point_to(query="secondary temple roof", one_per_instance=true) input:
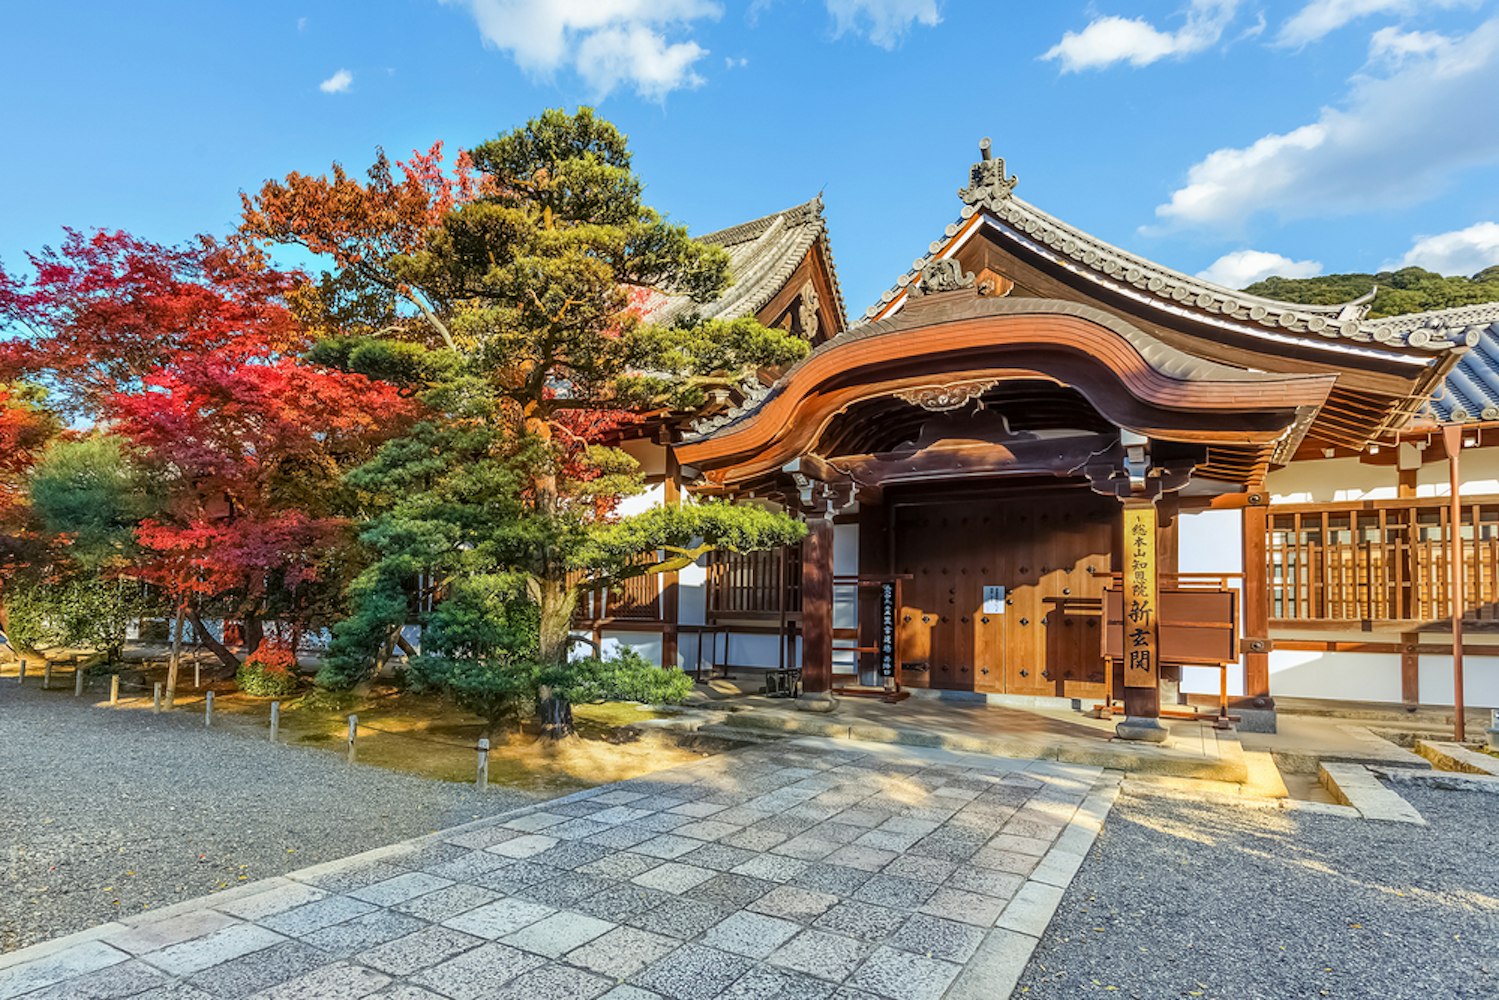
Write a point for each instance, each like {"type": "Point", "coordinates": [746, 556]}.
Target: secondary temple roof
{"type": "Point", "coordinates": [763, 255]}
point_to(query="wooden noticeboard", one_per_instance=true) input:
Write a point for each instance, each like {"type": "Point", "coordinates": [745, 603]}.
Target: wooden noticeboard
{"type": "Point", "coordinates": [1194, 626]}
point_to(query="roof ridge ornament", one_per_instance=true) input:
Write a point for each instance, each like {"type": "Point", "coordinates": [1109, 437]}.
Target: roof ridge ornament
{"type": "Point", "coordinates": [987, 178]}
{"type": "Point", "coordinates": [944, 274]}
{"type": "Point", "coordinates": [1358, 309]}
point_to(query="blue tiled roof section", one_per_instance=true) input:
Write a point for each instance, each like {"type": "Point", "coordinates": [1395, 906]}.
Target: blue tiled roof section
{"type": "Point", "coordinates": [1471, 390]}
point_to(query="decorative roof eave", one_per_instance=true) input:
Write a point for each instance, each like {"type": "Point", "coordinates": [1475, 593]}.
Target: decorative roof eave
{"type": "Point", "coordinates": [1163, 362]}
{"type": "Point", "coordinates": [989, 199]}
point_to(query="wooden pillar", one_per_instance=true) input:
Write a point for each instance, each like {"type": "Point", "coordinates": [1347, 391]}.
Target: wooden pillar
{"type": "Point", "coordinates": [1257, 605]}
{"type": "Point", "coordinates": [1141, 666]}
{"type": "Point", "coordinates": [1452, 438]}
{"type": "Point", "coordinates": [817, 606]}
{"type": "Point", "coordinates": [670, 595]}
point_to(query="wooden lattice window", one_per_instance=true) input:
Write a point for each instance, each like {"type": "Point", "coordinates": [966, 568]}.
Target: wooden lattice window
{"type": "Point", "coordinates": [1380, 561]}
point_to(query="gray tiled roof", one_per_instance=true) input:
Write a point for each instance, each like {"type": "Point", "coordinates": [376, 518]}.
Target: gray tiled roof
{"type": "Point", "coordinates": [990, 194]}
{"type": "Point", "coordinates": [763, 254]}
{"type": "Point", "coordinates": [1471, 391]}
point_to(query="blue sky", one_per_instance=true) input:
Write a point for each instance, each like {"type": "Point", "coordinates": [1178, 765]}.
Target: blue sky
{"type": "Point", "coordinates": [1336, 134]}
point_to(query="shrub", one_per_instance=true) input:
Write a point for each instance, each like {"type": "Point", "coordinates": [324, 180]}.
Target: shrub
{"type": "Point", "coordinates": [269, 672]}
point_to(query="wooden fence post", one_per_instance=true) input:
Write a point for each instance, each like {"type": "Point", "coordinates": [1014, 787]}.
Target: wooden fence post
{"type": "Point", "coordinates": [47, 674]}
{"type": "Point", "coordinates": [156, 697]}
{"type": "Point", "coordinates": [21, 678]}
{"type": "Point", "coordinates": [208, 708]}
{"type": "Point", "coordinates": [481, 772]}
{"type": "Point", "coordinates": [353, 731]}
{"type": "Point", "coordinates": [275, 719]}
{"type": "Point", "coordinates": [77, 679]}
{"type": "Point", "coordinates": [197, 674]}
{"type": "Point", "coordinates": [114, 689]}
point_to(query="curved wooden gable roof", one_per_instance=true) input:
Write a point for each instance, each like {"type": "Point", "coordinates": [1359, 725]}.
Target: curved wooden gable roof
{"type": "Point", "coordinates": [1128, 376]}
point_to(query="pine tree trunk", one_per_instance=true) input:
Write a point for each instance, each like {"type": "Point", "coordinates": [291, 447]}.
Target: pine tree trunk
{"type": "Point", "coordinates": [555, 600]}
{"type": "Point", "coordinates": [558, 602]}
{"type": "Point", "coordinates": [556, 715]}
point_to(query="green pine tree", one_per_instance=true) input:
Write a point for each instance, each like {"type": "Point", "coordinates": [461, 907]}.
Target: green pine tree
{"type": "Point", "coordinates": [521, 337]}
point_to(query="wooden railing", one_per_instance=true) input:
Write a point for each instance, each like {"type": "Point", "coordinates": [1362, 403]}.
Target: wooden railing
{"type": "Point", "coordinates": [637, 598]}
{"type": "Point", "coordinates": [746, 586]}
{"type": "Point", "coordinates": [1385, 560]}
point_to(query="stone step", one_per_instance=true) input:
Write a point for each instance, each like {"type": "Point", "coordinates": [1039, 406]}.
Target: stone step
{"type": "Point", "coordinates": [1456, 757]}
{"type": "Point", "coordinates": [1228, 765]}
{"type": "Point", "coordinates": [1355, 785]}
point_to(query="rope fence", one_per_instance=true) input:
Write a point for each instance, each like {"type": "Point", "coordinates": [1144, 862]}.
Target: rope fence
{"type": "Point", "coordinates": [159, 703]}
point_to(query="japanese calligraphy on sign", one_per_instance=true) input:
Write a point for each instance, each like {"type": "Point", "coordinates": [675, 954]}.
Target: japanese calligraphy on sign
{"type": "Point", "coordinates": [1141, 648]}
{"type": "Point", "coordinates": [887, 629]}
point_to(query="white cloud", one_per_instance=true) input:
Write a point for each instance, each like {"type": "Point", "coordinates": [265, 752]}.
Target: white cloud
{"type": "Point", "coordinates": [1320, 18]}
{"type": "Point", "coordinates": [637, 55]}
{"type": "Point", "coordinates": [1462, 251]}
{"type": "Point", "coordinates": [338, 83]}
{"type": "Point", "coordinates": [1109, 40]}
{"type": "Point", "coordinates": [735, 62]}
{"type": "Point", "coordinates": [1397, 139]}
{"type": "Point", "coordinates": [1392, 46]}
{"type": "Point", "coordinates": [607, 42]}
{"type": "Point", "coordinates": [301, 24]}
{"type": "Point", "coordinates": [883, 22]}
{"type": "Point", "coordinates": [1244, 267]}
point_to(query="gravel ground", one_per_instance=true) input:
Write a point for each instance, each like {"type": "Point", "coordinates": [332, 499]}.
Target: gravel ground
{"type": "Point", "coordinates": [1189, 899]}
{"type": "Point", "coordinates": [104, 813]}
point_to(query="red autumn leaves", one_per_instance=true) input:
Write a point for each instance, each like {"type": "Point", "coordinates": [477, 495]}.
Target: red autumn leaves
{"type": "Point", "coordinates": [191, 356]}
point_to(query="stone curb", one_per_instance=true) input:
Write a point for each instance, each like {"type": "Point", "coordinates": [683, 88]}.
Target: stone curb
{"type": "Point", "coordinates": [1230, 766]}
{"type": "Point", "coordinates": [1456, 757]}
{"type": "Point", "coordinates": [995, 969]}
{"type": "Point", "coordinates": [1355, 785]}
{"type": "Point", "coordinates": [1450, 780]}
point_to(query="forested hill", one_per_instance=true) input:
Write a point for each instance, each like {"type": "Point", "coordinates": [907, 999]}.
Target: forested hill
{"type": "Point", "coordinates": [1405, 291]}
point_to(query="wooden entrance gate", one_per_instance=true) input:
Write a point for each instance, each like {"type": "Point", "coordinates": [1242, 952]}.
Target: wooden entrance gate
{"type": "Point", "coordinates": [1004, 593]}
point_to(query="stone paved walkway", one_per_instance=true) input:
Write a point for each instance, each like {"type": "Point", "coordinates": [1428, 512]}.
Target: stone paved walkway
{"type": "Point", "coordinates": [814, 869]}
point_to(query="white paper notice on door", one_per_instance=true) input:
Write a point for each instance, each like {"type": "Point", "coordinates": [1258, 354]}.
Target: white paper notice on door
{"type": "Point", "coordinates": [994, 600]}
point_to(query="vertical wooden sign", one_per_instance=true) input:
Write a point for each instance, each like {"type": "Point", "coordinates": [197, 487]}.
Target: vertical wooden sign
{"type": "Point", "coordinates": [887, 628]}
{"type": "Point", "coordinates": [1141, 645]}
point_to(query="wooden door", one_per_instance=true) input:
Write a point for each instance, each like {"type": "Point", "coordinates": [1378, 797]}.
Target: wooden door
{"type": "Point", "coordinates": [1042, 548]}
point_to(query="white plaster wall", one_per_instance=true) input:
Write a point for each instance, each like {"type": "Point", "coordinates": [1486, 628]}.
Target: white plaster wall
{"type": "Point", "coordinates": [692, 593]}
{"type": "Point", "coordinates": [652, 496]}
{"type": "Point", "coordinates": [1211, 541]}
{"type": "Point", "coordinates": [1344, 676]}
{"type": "Point", "coordinates": [647, 644]}
{"type": "Point", "coordinates": [1480, 681]}
{"type": "Point", "coordinates": [1347, 480]}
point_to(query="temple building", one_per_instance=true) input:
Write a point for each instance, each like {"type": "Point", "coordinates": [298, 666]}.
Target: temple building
{"type": "Point", "coordinates": [1041, 467]}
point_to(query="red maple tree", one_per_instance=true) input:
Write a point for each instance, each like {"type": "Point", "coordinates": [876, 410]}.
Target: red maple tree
{"type": "Point", "coordinates": [192, 356]}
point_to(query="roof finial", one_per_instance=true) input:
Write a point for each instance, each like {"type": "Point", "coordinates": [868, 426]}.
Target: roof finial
{"type": "Point", "coordinates": [987, 179]}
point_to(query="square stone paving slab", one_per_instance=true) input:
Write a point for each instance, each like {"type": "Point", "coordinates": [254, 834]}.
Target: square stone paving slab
{"type": "Point", "coordinates": [808, 871]}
